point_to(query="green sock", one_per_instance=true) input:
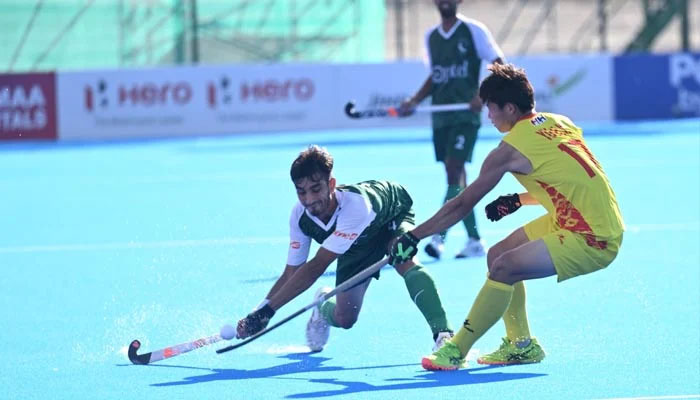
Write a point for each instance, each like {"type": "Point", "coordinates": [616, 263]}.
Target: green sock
{"type": "Point", "coordinates": [424, 294]}
{"type": "Point", "coordinates": [452, 192]}
{"type": "Point", "coordinates": [327, 309]}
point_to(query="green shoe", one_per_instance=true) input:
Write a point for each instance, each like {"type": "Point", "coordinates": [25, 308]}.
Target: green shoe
{"type": "Point", "coordinates": [447, 358]}
{"type": "Point", "coordinates": [509, 354]}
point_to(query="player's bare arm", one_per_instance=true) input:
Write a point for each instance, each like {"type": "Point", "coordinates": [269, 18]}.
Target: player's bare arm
{"type": "Point", "coordinates": [303, 278]}
{"type": "Point", "coordinates": [288, 272]}
{"type": "Point", "coordinates": [502, 159]}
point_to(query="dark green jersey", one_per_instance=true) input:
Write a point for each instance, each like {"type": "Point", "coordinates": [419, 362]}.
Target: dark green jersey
{"type": "Point", "coordinates": [363, 212]}
{"type": "Point", "coordinates": [455, 63]}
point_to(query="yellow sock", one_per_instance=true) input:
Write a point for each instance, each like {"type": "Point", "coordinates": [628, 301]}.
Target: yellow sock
{"type": "Point", "coordinates": [515, 317]}
{"type": "Point", "coordinates": [488, 308]}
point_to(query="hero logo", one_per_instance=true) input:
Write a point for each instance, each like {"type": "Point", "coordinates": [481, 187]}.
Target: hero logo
{"type": "Point", "coordinates": [684, 75]}
{"type": "Point", "coordinates": [270, 90]}
{"type": "Point", "coordinates": [22, 109]}
{"type": "Point", "coordinates": [146, 94]}
{"type": "Point", "coordinates": [348, 236]}
{"type": "Point", "coordinates": [294, 244]}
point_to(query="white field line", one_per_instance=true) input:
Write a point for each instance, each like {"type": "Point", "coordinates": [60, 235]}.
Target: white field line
{"type": "Point", "coordinates": [690, 226]}
{"type": "Point", "coordinates": [681, 396]}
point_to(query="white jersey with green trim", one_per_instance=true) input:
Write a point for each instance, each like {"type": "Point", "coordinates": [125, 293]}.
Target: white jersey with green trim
{"type": "Point", "coordinates": [353, 215]}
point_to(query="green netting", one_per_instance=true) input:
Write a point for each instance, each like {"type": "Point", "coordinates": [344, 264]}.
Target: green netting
{"type": "Point", "coordinates": [78, 34]}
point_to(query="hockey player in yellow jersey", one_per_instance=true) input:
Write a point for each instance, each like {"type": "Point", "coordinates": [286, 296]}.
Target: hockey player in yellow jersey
{"type": "Point", "coordinates": [580, 233]}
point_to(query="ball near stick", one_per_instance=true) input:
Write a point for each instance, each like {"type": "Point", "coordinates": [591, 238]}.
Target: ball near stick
{"type": "Point", "coordinates": [227, 332]}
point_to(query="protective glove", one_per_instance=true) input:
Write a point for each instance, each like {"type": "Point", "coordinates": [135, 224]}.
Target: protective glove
{"type": "Point", "coordinates": [503, 206]}
{"type": "Point", "coordinates": [254, 322]}
{"type": "Point", "coordinates": [407, 108]}
{"type": "Point", "coordinates": [403, 249]}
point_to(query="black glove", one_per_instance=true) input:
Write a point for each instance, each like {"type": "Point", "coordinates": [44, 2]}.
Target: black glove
{"type": "Point", "coordinates": [503, 206]}
{"type": "Point", "coordinates": [255, 322]}
{"type": "Point", "coordinates": [405, 247]}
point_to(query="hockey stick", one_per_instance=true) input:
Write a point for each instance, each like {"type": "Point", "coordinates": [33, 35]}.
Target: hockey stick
{"type": "Point", "coordinates": [351, 112]}
{"type": "Point", "coordinates": [364, 274]}
{"type": "Point", "coordinates": [168, 352]}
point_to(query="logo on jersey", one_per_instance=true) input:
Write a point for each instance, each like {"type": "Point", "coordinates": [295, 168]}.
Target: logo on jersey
{"type": "Point", "coordinates": [444, 74]}
{"type": "Point", "coordinates": [294, 244]}
{"type": "Point", "coordinates": [461, 47]}
{"type": "Point", "coordinates": [538, 120]}
{"type": "Point", "coordinates": [348, 236]}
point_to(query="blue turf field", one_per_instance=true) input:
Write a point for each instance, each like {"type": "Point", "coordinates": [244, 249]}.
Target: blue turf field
{"type": "Point", "coordinates": [164, 241]}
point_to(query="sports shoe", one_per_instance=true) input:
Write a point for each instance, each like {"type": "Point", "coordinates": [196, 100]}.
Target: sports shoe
{"type": "Point", "coordinates": [435, 247]}
{"type": "Point", "coordinates": [441, 338]}
{"type": "Point", "coordinates": [447, 358]}
{"type": "Point", "coordinates": [509, 354]}
{"type": "Point", "coordinates": [473, 248]}
{"type": "Point", "coordinates": [317, 329]}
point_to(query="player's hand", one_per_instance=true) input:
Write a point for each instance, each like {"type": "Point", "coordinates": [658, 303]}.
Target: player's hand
{"type": "Point", "coordinates": [503, 206]}
{"type": "Point", "coordinates": [254, 322]}
{"type": "Point", "coordinates": [404, 248]}
{"type": "Point", "coordinates": [476, 104]}
{"type": "Point", "coordinates": [407, 107]}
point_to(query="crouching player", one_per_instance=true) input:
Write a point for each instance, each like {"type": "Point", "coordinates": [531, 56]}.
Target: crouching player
{"type": "Point", "coordinates": [355, 225]}
{"type": "Point", "coordinates": [581, 232]}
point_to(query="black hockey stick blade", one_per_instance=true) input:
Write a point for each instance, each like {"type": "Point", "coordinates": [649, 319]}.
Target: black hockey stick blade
{"type": "Point", "coordinates": [350, 110]}
{"type": "Point", "coordinates": [137, 359]}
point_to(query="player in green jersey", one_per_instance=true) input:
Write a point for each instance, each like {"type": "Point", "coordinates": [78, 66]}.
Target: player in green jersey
{"type": "Point", "coordinates": [354, 225]}
{"type": "Point", "coordinates": [455, 47]}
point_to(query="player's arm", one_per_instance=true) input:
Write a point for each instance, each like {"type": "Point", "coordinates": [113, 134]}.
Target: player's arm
{"type": "Point", "coordinates": [303, 277]}
{"type": "Point", "coordinates": [527, 199]}
{"type": "Point", "coordinates": [502, 159]}
{"type": "Point", "coordinates": [407, 106]}
{"type": "Point", "coordinates": [293, 282]}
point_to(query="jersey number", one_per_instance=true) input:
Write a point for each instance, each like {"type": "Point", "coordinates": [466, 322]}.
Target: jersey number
{"type": "Point", "coordinates": [460, 143]}
{"type": "Point", "coordinates": [584, 163]}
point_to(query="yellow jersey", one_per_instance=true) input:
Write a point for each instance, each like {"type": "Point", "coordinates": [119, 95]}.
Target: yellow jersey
{"type": "Point", "coordinates": [566, 177]}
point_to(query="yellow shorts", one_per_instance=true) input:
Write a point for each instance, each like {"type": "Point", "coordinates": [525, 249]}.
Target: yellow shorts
{"type": "Point", "coordinates": [573, 253]}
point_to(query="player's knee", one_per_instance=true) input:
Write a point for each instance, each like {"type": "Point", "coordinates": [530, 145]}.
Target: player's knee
{"type": "Point", "coordinates": [493, 253]}
{"type": "Point", "coordinates": [500, 269]}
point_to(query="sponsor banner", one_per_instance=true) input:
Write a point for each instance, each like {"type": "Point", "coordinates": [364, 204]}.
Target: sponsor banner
{"type": "Point", "coordinates": [578, 86]}
{"type": "Point", "coordinates": [373, 86]}
{"type": "Point", "coordinates": [657, 86]}
{"type": "Point", "coordinates": [193, 101]}
{"type": "Point", "coordinates": [27, 106]}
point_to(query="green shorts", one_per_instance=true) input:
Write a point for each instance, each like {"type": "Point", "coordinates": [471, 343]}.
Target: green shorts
{"type": "Point", "coordinates": [573, 254]}
{"type": "Point", "coordinates": [455, 142]}
{"type": "Point", "coordinates": [364, 254]}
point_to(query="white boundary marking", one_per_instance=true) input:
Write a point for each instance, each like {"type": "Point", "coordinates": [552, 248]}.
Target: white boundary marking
{"type": "Point", "coordinates": [681, 396]}
{"type": "Point", "coordinates": [689, 226]}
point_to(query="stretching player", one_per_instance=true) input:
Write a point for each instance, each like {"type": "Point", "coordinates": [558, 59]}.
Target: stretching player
{"type": "Point", "coordinates": [581, 232]}
{"type": "Point", "coordinates": [456, 48]}
{"type": "Point", "coordinates": [355, 225]}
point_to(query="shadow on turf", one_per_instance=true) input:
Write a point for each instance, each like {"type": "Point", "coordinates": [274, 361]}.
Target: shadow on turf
{"type": "Point", "coordinates": [308, 362]}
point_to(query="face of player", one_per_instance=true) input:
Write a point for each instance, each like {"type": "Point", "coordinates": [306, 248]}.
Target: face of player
{"type": "Point", "coordinates": [447, 8]}
{"type": "Point", "coordinates": [502, 118]}
{"type": "Point", "coordinates": [317, 195]}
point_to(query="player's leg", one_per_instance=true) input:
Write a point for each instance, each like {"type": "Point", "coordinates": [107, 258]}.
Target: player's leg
{"type": "Point", "coordinates": [515, 317]}
{"type": "Point", "coordinates": [528, 261]}
{"type": "Point", "coordinates": [440, 139]}
{"type": "Point", "coordinates": [340, 312]}
{"type": "Point", "coordinates": [420, 284]}
{"type": "Point", "coordinates": [460, 148]}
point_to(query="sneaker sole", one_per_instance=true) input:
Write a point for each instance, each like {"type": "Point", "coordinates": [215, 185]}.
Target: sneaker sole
{"type": "Point", "coordinates": [427, 364]}
{"type": "Point", "coordinates": [484, 362]}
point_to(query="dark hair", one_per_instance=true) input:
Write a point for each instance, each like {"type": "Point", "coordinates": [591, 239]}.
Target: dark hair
{"type": "Point", "coordinates": [507, 84]}
{"type": "Point", "coordinates": [312, 162]}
